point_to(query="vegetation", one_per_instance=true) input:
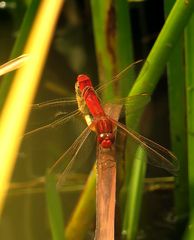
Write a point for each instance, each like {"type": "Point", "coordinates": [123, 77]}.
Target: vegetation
{"type": "Point", "coordinates": [100, 38]}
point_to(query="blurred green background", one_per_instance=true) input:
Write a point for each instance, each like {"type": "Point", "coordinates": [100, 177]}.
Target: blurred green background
{"type": "Point", "coordinates": [72, 52]}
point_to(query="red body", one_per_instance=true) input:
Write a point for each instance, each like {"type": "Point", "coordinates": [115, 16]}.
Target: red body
{"type": "Point", "coordinates": [103, 125]}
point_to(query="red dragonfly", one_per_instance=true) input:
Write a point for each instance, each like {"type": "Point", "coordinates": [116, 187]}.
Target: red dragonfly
{"type": "Point", "coordinates": [104, 126]}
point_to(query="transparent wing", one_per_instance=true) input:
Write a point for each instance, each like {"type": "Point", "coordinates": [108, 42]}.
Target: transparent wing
{"type": "Point", "coordinates": [120, 75]}
{"type": "Point", "coordinates": [65, 162]}
{"type": "Point", "coordinates": [73, 101]}
{"type": "Point", "coordinates": [159, 156]}
{"type": "Point", "coordinates": [13, 64]}
{"type": "Point", "coordinates": [56, 123]}
{"type": "Point", "coordinates": [139, 101]}
{"type": "Point", "coordinates": [133, 103]}
{"type": "Point", "coordinates": [56, 112]}
{"type": "Point", "coordinates": [54, 103]}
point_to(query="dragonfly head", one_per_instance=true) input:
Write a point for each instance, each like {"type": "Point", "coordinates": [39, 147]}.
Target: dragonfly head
{"type": "Point", "coordinates": [83, 81]}
{"type": "Point", "coordinates": [106, 139]}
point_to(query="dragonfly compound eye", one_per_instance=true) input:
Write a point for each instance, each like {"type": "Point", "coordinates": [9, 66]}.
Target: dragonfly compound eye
{"type": "Point", "coordinates": [106, 139]}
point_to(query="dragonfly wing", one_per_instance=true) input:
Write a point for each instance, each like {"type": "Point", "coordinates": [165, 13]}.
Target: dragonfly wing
{"type": "Point", "coordinates": [62, 110]}
{"type": "Point", "coordinates": [65, 162]}
{"type": "Point", "coordinates": [133, 103]}
{"type": "Point", "coordinates": [159, 156]}
{"type": "Point", "coordinates": [130, 105]}
{"type": "Point", "coordinates": [120, 75]}
{"type": "Point", "coordinates": [54, 103]}
{"type": "Point", "coordinates": [56, 123]}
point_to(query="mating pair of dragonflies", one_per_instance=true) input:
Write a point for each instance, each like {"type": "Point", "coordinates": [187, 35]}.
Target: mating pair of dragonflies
{"type": "Point", "coordinates": [92, 111]}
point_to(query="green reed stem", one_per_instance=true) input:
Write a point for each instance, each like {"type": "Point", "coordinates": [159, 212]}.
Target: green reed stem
{"type": "Point", "coordinates": [54, 209]}
{"type": "Point", "coordinates": [113, 42]}
{"type": "Point", "coordinates": [178, 129]}
{"type": "Point", "coordinates": [158, 57]}
{"type": "Point", "coordinates": [189, 39]}
{"type": "Point", "coordinates": [161, 51]}
{"type": "Point", "coordinates": [134, 196]}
